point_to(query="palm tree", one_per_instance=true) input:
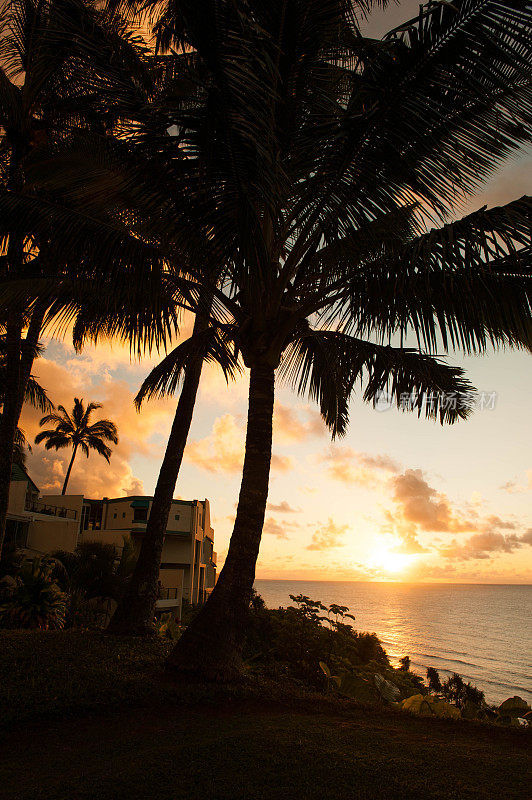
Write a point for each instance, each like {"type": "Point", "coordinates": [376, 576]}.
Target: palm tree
{"type": "Point", "coordinates": [35, 395]}
{"type": "Point", "coordinates": [134, 614]}
{"type": "Point", "coordinates": [50, 96]}
{"type": "Point", "coordinates": [329, 156]}
{"type": "Point", "coordinates": [75, 431]}
{"type": "Point", "coordinates": [312, 157]}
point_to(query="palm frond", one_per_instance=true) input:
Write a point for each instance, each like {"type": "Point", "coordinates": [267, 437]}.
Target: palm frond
{"type": "Point", "coordinates": [36, 395]}
{"type": "Point", "coordinates": [468, 284]}
{"type": "Point", "coordinates": [327, 366]}
{"type": "Point", "coordinates": [53, 440]}
{"type": "Point", "coordinates": [210, 345]}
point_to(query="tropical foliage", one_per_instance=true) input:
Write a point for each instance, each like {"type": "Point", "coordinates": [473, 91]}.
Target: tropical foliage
{"type": "Point", "coordinates": [292, 642]}
{"type": "Point", "coordinates": [63, 589]}
{"type": "Point", "coordinates": [292, 183]}
{"type": "Point", "coordinates": [95, 569]}
{"type": "Point", "coordinates": [326, 155]}
{"type": "Point", "coordinates": [36, 600]}
{"type": "Point", "coordinates": [50, 240]}
{"type": "Point", "coordinates": [74, 430]}
{"type": "Point", "coordinates": [34, 395]}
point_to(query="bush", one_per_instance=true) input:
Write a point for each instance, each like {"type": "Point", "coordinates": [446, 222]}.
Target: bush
{"type": "Point", "coordinates": [294, 640]}
{"type": "Point", "coordinates": [36, 600]}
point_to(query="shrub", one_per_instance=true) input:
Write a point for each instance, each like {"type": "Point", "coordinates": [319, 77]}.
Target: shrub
{"type": "Point", "coordinates": [36, 601]}
{"type": "Point", "coordinates": [91, 570]}
{"type": "Point", "coordinates": [292, 641]}
{"type": "Point", "coordinates": [433, 680]}
{"type": "Point", "coordinates": [456, 691]}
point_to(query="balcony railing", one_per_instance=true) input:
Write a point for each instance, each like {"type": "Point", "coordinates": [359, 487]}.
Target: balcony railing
{"type": "Point", "coordinates": [52, 511]}
{"type": "Point", "coordinates": [169, 594]}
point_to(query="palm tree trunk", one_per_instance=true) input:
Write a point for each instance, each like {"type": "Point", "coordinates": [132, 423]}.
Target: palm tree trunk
{"type": "Point", "coordinates": [69, 470]}
{"type": "Point", "coordinates": [10, 415]}
{"type": "Point", "coordinates": [210, 648]}
{"type": "Point", "coordinates": [27, 351]}
{"type": "Point", "coordinates": [20, 352]}
{"type": "Point", "coordinates": [134, 613]}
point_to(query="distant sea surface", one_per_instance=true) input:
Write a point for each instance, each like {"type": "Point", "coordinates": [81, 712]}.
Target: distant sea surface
{"type": "Point", "coordinates": [482, 632]}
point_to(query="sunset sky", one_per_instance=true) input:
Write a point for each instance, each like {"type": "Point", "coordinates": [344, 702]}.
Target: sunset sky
{"type": "Point", "coordinates": [397, 499]}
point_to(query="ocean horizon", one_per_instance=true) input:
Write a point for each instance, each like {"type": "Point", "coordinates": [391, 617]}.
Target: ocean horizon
{"type": "Point", "coordinates": [481, 631]}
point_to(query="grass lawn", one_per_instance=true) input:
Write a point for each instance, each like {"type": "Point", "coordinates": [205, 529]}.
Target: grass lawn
{"type": "Point", "coordinates": [130, 733]}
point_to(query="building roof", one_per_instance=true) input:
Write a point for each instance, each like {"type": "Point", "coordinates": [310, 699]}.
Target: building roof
{"type": "Point", "coordinates": [18, 473]}
{"type": "Point", "coordinates": [144, 498]}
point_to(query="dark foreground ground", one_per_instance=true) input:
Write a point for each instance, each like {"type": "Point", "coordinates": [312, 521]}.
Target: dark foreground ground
{"type": "Point", "coordinates": [118, 742]}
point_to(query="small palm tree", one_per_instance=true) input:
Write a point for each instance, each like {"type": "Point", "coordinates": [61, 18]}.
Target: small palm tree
{"type": "Point", "coordinates": [74, 431]}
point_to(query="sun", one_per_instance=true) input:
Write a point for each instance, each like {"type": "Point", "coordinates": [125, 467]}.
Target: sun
{"type": "Point", "coordinates": [391, 561]}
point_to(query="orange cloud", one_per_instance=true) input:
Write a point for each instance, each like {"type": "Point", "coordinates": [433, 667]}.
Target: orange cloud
{"type": "Point", "coordinates": [482, 545]}
{"type": "Point", "coordinates": [289, 428]}
{"type": "Point", "coordinates": [282, 463]}
{"type": "Point", "coordinates": [420, 508]}
{"type": "Point", "coordinates": [420, 504]}
{"type": "Point", "coordinates": [108, 355]}
{"type": "Point", "coordinates": [271, 526]}
{"type": "Point", "coordinates": [223, 449]}
{"type": "Point", "coordinates": [348, 466]}
{"type": "Point", "coordinates": [283, 507]}
{"type": "Point", "coordinates": [94, 476]}
{"type": "Point", "coordinates": [328, 536]}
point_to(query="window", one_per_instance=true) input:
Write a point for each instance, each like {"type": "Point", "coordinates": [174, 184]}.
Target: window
{"type": "Point", "coordinates": [140, 515]}
{"type": "Point", "coordinates": [176, 516]}
{"type": "Point", "coordinates": [123, 514]}
{"type": "Point", "coordinates": [114, 515]}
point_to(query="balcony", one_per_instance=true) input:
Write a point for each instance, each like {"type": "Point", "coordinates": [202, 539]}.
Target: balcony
{"type": "Point", "coordinates": [169, 594]}
{"type": "Point", "coordinates": [170, 598]}
{"type": "Point", "coordinates": [37, 507]}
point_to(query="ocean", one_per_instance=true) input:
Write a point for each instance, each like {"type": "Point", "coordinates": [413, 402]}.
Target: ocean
{"type": "Point", "coordinates": [482, 632]}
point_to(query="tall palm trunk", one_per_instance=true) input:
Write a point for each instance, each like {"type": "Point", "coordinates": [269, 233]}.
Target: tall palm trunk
{"type": "Point", "coordinates": [12, 390]}
{"type": "Point", "coordinates": [19, 361]}
{"type": "Point", "coordinates": [69, 470]}
{"type": "Point", "coordinates": [210, 648]}
{"type": "Point", "coordinates": [10, 415]}
{"type": "Point", "coordinates": [135, 612]}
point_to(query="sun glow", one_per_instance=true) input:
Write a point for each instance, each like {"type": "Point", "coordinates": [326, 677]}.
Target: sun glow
{"type": "Point", "coordinates": [389, 560]}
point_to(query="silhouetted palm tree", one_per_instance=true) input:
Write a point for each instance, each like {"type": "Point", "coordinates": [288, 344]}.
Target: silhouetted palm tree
{"type": "Point", "coordinates": [50, 96]}
{"type": "Point", "coordinates": [35, 395]}
{"type": "Point", "coordinates": [328, 155]}
{"type": "Point", "coordinates": [76, 431]}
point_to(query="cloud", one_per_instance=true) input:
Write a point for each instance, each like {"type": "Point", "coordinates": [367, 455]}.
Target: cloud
{"type": "Point", "coordinates": [213, 387]}
{"type": "Point", "coordinates": [99, 361]}
{"type": "Point", "coordinates": [135, 488]}
{"type": "Point", "coordinates": [513, 487]}
{"type": "Point", "coordinates": [482, 545]}
{"type": "Point", "coordinates": [271, 526]}
{"type": "Point", "coordinates": [420, 504]}
{"type": "Point", "coordinates": [282, 463]}
{"type": "Point", "coordinates": [348, 466]}
{"type": "Point", "coordinates": [222, 451]}
{"type": "Point", "coordinates": [410, 545]}
{"type": "Point", "coordinates": [419, 508]}
{"type": "Point", "coordinates": [289, 428]}
{"type": "Point", "coordinates": [328, 536]}
{"type": "Point", "coordinates": [282, 507]}
{"type": "Point", "coordinates": [93, 477]}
